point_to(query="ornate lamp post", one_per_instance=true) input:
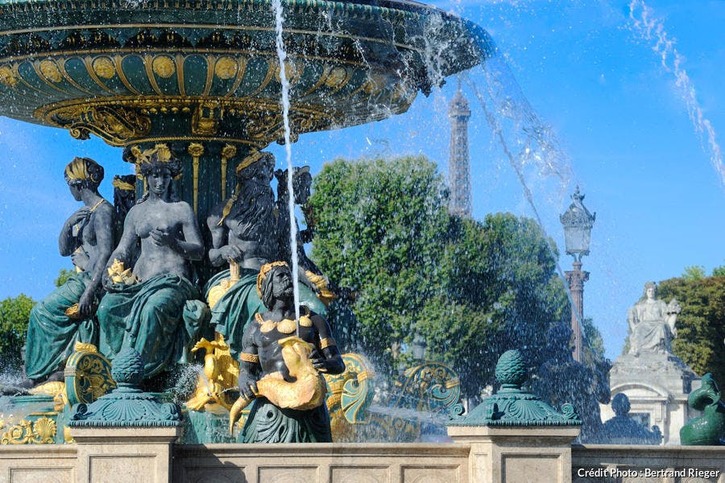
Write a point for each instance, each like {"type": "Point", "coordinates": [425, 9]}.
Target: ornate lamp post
{"type": "Point", "coordinates": [578, 223]}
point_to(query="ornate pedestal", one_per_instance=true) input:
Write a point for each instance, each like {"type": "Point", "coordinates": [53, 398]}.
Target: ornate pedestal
{"type": "Point", "coordinates": [514, 435]}
{"type": "Point", "coordinates": [657, 385]}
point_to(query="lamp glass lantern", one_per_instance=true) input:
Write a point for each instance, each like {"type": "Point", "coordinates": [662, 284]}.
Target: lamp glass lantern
{"type": "Point", "coordinates": [578, 223]}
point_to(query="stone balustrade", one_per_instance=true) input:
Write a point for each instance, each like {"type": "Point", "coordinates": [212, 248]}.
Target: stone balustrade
{"type": "Point", "coordinates": [339, 463]}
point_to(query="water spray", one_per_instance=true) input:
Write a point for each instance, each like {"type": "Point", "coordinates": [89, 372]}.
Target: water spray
{"type": "Point", "coordinates": [282, 56]}
{"type": "Point", "coordinates": [535, 131]}
{"type": "Point", "coordinates": [651, 28]}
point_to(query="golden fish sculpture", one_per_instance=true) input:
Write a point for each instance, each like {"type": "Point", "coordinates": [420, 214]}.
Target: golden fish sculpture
{"type": "Point", "coordinates": [306, 392]}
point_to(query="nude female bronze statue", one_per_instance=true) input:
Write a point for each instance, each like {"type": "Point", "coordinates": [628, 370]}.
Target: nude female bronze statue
{"type": "Point", "coordinates": [155, 309]}
{"type": "Point", "coordinates": [67, 315]}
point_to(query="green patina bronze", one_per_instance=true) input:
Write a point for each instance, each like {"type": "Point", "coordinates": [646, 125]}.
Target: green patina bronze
{"type": "Point", "coordinates": [202, 79]}
{"type": "Point", "coordinates": [514, 406]}
{"type": "Point", "coordinates": [127, 405]}
{"type": "Point", "coordinates": [202, 75]}
{"type": "Point", "coordinates": [708, 429]}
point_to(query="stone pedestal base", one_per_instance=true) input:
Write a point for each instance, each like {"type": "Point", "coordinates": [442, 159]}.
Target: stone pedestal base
{"type": "Point", "coordinates": [508, 454]}
{"type": "Point", "coordinates": [657, 385]}
{"type": "Point", "coordinates": [132, 455]}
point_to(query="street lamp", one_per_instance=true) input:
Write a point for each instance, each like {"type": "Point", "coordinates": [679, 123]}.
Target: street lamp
{"type": "Point", "coordinates": [418, 348]}
{"type": "Point", "coordinates": [578, 223]}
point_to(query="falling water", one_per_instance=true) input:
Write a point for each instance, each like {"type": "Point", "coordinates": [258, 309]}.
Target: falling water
{"type": "Point", "coordinates": [651, 28]}
{"type": "Point", "coordinates": [537, 144]}
{"type": "Point", "coordinates": [527, 143]}
{"type": "Point", "coordinates": [282, 56]}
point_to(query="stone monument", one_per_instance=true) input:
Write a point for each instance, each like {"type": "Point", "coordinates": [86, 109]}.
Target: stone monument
{"type": "Point", "coordinates": [656, 381]}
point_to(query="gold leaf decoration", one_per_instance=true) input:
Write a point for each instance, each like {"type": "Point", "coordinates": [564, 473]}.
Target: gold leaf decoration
{"type": "Point", "coordinates": [164, 66]}
{"type": "Point", "coordinates": [337, 78]}
{"type": "Point", "coordinates": [226, 68]}
{"type": "Point", "coordinates": [292, 71]}
{"type": "Point", "coordinates": [7, 76]}
{"type": "Point", "coordinates": [104, 68]}
{"type": "Point", "coordinates": [50, 70]}
{"type": "Point", "coordinates": [42, 431]}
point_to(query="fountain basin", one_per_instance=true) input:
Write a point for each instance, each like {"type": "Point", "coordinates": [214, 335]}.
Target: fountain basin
{"type": "Point", "coordinates": [208, 70]}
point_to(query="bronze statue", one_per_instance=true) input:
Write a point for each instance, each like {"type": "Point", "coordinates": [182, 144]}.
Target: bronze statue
{"type": "Point", "coordinates": [281, 365]}
{"type": "Point", "coordinates": [315, 290]}
{"type": "Point", "coordinates": [709, 427]}
{"type": "Point", "coordinates": [153, 308]}
{"type": "Point", "coordinates": [244, 236]}
{"type": "Point", "coordinates": [66, 316]}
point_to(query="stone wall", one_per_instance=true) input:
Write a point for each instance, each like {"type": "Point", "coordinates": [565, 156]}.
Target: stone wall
{"type": "Point", "coordinates": [340, 463]}
{"type": "Point", "coordinates": [35, 463]}
{"type": "Point", "coordinates": [322, 463]}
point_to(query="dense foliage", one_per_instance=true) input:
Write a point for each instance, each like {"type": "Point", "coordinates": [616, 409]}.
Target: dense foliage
{"type": "Point", "coordinates": [701, 324]}
{"type": "Point", "coordinates": [14, 313]}
{"type": "Point", "coordinates": [471, 289]}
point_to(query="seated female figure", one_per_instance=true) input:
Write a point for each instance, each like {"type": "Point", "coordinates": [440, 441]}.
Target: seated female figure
{"type": "Point", "coordinates": [67, 315]}
{"type": "Point", "coordinates": [155, 310]}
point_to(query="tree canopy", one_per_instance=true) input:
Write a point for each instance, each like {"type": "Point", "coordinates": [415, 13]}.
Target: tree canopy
{"type": "Point", "coordinates": [473, 290]}
{"type": "Point", "coordinates": [701, 324]}
{"type": "Point", "coordinates": [14, 314]}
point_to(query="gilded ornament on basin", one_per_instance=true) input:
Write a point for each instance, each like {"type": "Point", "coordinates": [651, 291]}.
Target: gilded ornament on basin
{"type": "Point", "coordinates": [196, 149]}
{"type": "Point", "coordinates": [375, 84]}
{"type": "Point", "coordinates": [50, 70]}
{"type": "Point", "coordinates": [42, 431]}
{"type": "Point", "coordinates": [226, 68]}
{"type": "Point", "coordinates": [104, 68]}
{"type": "Point", "coordinates": [337, 78]}
{"type": "Point", "coordinates": [164, 66]}
{"type": "Point", "coordinates": [8, 77]}
{"type": "Point", "coordinates": [292, 71]}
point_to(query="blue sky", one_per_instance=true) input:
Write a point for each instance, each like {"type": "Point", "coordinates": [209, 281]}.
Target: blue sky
{"type": "Point", "coordinates": [622, 119]}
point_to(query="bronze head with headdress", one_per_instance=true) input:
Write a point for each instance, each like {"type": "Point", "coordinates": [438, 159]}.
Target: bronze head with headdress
{"type": "Point", "coordinates": [84, 173]}
{"type": "Point", "coordinates": [265, 277]}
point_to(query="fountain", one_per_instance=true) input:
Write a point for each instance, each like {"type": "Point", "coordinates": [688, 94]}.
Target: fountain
{"type": "Point", "coordinates": [203, 81]}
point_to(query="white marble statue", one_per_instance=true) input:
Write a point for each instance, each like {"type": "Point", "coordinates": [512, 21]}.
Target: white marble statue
{"type": "Point", "coordinates": [652, 323]}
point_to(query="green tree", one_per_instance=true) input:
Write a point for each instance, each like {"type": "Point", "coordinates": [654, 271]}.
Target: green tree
{"type": "Point", "coordinates": [14, 313]}
{"type": "Point", "coordinates": [378, 230]}
{"type": "Point", "coordinates": [501, 291]}
{"type": "Point", "coordinates": [694, 272]}
{"type": "Point", "coordinates": [63, 275]}
{"type": "Point", "coordinates": [701, 324]}
{"type": "Point", "coordinates": [718, 271]}
{"type": "Point", "coordinates": [472, 289]}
